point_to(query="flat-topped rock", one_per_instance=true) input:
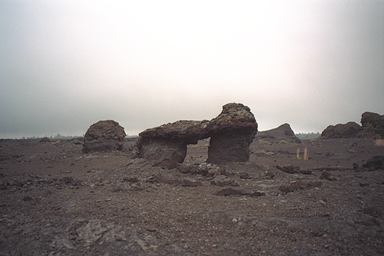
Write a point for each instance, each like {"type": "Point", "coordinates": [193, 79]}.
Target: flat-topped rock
{"type": "Point", "coordinates": [186, 131]}
{"type": "Point", "coordinates": [104, 135]}
{"type": "Point", "coordinates": [231, 133]}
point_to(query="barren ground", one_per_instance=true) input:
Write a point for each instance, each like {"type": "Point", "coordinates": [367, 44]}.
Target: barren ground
{"type": "Point", "coordinates": [55, 200]}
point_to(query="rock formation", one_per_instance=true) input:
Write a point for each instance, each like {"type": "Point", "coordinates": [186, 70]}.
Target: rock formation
{"type": "Point", "coordinates": [166, 145]}
{"type": "Point", "coordinates": [373, 124]}
{"type": "Point", "coordinates": [104, 136]}
{"type": "Point", "coordinates": [372, 127]}
{"type": "Point", "coordinates": [282, 133]}
{"type": "Point", "coordinates": [348, 130]}
{"type": "Point", "coordinates": [231, 133]}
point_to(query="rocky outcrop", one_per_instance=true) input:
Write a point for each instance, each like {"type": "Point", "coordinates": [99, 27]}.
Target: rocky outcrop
{"type": "Point", "coordinates": [166, 145]}
{"type": "Point", "coordinates": [373, 124]}
{"type": "Point", "coordinates": [348, 130]}
{"type": "Point", "coordinates": [231, 133]}
{"type": "Point", "coordinates": [104, 136]}
{"type": "Point", "coordinates": [282, 133]}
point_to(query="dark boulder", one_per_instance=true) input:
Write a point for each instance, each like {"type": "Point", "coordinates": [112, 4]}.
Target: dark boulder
{"type": "Point", "coordinates": [231, 134]}
{"type": "Point", "coordinates": [373, 124]}
{"type": "Point", "coordinates": [348, 130]}
{"type": "Point", "coordinates": [166, 145]}
{"type": "Point", "coordinates": [104, 136]}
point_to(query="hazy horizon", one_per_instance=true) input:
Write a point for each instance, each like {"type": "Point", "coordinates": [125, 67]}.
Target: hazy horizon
{"type": "Point", "coordinates": [67, 64]}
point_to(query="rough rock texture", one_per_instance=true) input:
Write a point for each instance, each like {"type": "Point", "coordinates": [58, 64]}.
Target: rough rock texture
{"type": "Point", "coordinates": [162, 152]}
{"type": "Point", "coordinates": [186, 131]}
{"type": "Point", "coordinates": [231, 134]}
{"type": "Point", "coordinates": [283, 132]}
{"type": "Point", "coordinates": [373, 124]}
{"type": "Point", "coordinates": [104, 136]}
{"type": "Point", "coordinates": [348, 130]}
{"type": "Point", "coordinates": [166, 145]}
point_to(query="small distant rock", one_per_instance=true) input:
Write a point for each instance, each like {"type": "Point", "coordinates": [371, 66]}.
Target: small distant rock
{"type": "Point", "coordinates": [282, 133]}
{"type": "Point", "coordinates": [45, 140]}
{"type": "Point", "coordinates": [239, 192]}
{"type": "Point", "coordinates": [222, 181]}
{"type": "Point", "coordinates": [288, 169]}
{"type": "Point", "coordinates": [325, 175]}
{"type": "Point", "coordinates": [299, 185]}
{"type": "Point", "coordinates": [375, 163]}
{"type": "Point", "coordinates": [244, 175]}
{"type": "Point", "coordinates": [188, 182]}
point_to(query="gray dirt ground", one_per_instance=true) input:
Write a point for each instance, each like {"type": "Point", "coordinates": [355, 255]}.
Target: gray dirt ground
{"type": "Point", "coordinates": [55, 200]}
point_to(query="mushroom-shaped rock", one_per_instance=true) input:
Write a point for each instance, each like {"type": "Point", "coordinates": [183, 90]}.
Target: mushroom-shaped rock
{"type": "Point", "coordinates": [283, 132]}
{"type": "Point", "coordinates": [348, 130]}
{"type": "Point", "coordinates": [104, 136]}
{"type": "Point", "coordinates": [166, 145]}
{"type": "Point", "coordinates": [373, 124]}
{"type": "Point", "coordinates": [231, 134]}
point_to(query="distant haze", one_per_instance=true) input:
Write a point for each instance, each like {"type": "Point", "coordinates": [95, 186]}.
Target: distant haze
{"type": "Point", "coordinates": [67, 64]}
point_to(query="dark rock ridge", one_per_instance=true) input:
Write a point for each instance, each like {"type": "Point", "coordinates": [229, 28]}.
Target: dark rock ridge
{"type": "Point", "coordinates": [104, 135]}
{"type": "Point", "coordinates": [283, 132]}
{"type": "Point", "coordinates": [231, 133]}
{"type": "Point", "coordinates": [372, 126]}
{"type": "Point", "coordinates": [348, 130]}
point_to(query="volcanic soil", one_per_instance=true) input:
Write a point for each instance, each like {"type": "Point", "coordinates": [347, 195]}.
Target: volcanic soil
{"type": "Point", "coordinates": [56, 200]}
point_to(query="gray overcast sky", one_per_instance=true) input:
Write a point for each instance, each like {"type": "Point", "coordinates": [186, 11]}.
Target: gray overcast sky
{"type": "Point", "coordinates": [66, 64]}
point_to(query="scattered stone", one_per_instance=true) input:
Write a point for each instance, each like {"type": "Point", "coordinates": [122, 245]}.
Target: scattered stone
{"type": "Point", "coordinates": [44, 140]}
{"type": "Point", "coordinates": [299, 185]}
{"type": "Point", "coordinates": [188, 182]}
{"type": "Point", "coordinates": [27, 198]}
{"type": "Point", "coordinates": [269, 175]}
{"type": "Point", "coordinates": [132, 179]}
{"type": "Point", "coordinates": [288, 169]}
{"type": "Point", "coordinates": [104, 136]}
{"type": "Point", "coordinates": [375, 163]}
{"type": "Point", "coordinates": [325, 175]}
{"type": "Point", "coordinates": [239, 192]}
{"type": "Point", "coordinates": [244, 175]}
{"type": "Point", "coordinates": [222, 181]}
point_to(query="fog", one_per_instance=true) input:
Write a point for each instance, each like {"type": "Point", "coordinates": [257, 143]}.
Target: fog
{"type": "Point", "coordinates": [67, 64]}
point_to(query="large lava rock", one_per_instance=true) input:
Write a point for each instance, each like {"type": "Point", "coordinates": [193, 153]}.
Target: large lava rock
{"type": "Point", "coordinates": [282, 133]}
{"type": "Point", "coordinates": [231, 134]}
{"type": "Point", "coordinates": [166, 145]}
{"type": "Point", "coordinates": [373, 124]}
{"type": "Point", "coordinates": [348, 130]}
{"type": "Point", "coordinates": [104, 136]}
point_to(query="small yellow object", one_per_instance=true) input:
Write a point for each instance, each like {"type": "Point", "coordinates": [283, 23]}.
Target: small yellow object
{"type": "Point", "coordinates": [298, 153]}
{"type": "Point", "coordinates": [306, 154]}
